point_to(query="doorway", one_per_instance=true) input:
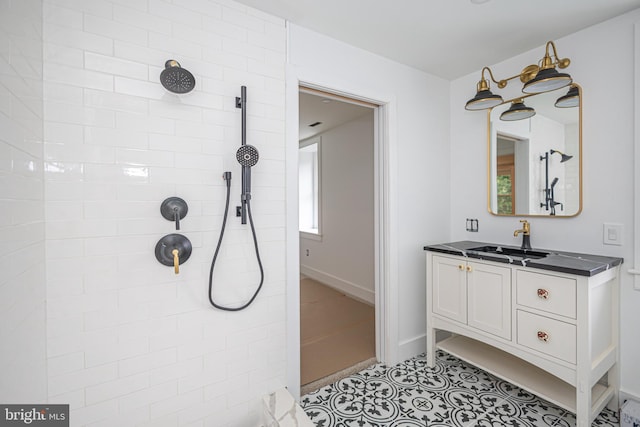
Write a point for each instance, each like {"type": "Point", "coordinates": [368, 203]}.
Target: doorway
{"type": "Point", "coordinates": [512, 175]}
{"type": "Point", "coordinates": [338, 239]}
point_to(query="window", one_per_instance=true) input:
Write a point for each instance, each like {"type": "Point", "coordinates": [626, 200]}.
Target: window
{"type": "Point", "coordinates": [506, 185]}
{"type": "Point", "coordinates": [309, 186]}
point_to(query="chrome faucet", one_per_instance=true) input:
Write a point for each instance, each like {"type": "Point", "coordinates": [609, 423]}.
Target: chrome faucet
{"type": "Point", "coordinates": [526, 232]}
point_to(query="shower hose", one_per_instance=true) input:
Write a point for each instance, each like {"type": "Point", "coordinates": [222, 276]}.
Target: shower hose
{"type": "Point", "coordinates": [227, 178]}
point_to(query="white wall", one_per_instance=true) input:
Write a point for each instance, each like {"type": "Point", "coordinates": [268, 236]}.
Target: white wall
{"type": "Point", "coordinates": [130, 342]}
{"type": "Point", "coordinates": [417, 165]}
{"type": "Point", "coordinates": [344, 257]}
{"type": "Point", "coordinates": [22, 284]}
{"type": "Point", "coordinates": [607, 163]}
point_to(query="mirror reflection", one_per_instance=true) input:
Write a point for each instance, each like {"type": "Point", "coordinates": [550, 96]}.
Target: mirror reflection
{"type": "Point", "coordinates": [535, 155]}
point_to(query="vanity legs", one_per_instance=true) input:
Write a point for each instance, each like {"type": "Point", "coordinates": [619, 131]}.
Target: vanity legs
{"type": "Point", "coordinates": [431, 347]}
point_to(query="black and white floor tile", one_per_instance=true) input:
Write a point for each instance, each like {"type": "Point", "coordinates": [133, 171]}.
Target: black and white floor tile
{"type": "Point", "coordinates": [453, 393]}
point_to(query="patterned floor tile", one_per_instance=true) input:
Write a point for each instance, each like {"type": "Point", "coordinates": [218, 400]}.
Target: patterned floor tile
{"type": "Point", "coordinates": [319, 397]}
{"type": "Point", "coordinates": [514, 413]}
{"type": "Point", "coordinates": [367, 399]}
{"type": "Point", "coordinates": [453, 393]}
{"type": "Point", "coordinates": [606, 418]}
{"type": "Point", "coordinates": [425, 405]}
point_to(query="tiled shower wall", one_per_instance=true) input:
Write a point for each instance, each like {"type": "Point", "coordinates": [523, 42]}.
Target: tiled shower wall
{"type": "Point", "coordinates": [128, 341]}
{"type": "Point", "coordinates": [22, 250]}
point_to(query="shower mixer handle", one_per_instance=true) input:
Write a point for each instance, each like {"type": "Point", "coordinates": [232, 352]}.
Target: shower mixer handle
{"type": "Point", "coordinates": [176, 261]}
{"type": "Point", "coordinates": [173, 250]}
{"type": "Point", "coordinates": [176, 217]}
{"type": "Point", "coordinates": [174, 209]}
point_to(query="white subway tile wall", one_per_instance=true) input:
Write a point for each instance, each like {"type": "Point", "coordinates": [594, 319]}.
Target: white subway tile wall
{"type": "Point", "coordinates": [130, 343]}
{"type": "Point", "coordinates": [22, 228]}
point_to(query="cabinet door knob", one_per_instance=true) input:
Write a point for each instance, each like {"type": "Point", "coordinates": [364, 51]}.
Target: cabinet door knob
{"type": "Point", "coordinates": [469, 269]}
{"type": "Point", "coordinates": [460, 267]}
{"type": "Point", "coordinates": [543, 293]}
{"type": "Point", "coordinates": [543, 336]}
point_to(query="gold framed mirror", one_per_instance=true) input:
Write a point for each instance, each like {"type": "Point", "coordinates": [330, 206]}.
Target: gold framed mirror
{"type": "Point", "coordinates": [535, 155]}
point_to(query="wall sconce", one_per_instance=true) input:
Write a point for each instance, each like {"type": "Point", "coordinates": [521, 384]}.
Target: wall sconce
{"type": "Point", "coordinates": [548, 78]}
{"type": "Point", "coordinates": [536, 79]}
{"type": "Point", "coordinates": [571, 99]}
{"type": "Point", "coordinates": [484, 98]}
{"type": "Point", "coordinates": [517, 111]}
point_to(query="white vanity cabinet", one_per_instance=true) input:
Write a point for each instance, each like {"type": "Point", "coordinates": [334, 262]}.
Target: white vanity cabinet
{"type": "Point", "coordinates": [552, 333]}
{"type": "Point", "coordinates": [475, 293]}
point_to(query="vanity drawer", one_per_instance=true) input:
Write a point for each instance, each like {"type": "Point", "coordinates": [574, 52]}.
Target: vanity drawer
{"type": "Point", "coordinates": [549, 336]}
{"type": "Point", "coordinates": [546, 292]}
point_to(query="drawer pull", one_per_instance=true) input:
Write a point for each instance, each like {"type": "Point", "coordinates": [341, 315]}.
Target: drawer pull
{"type": "Point", "coordinates": [543, 336]}
{"type": "Point", "coordinates": [543, 293]}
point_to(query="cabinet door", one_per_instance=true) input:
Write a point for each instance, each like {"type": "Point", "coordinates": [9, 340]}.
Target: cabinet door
{"type": "Point", "coordinates": [489, 291]}
{"type": "Point", "coordinates": [449, 297]}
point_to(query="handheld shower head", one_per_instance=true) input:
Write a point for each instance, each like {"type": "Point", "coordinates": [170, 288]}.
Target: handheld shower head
{"type": "Point", "coordinates": [176, 79]}
{"type": "Point", "coordinates": [247, 155]}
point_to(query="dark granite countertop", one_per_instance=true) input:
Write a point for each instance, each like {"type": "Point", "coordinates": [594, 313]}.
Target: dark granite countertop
{"type": "Point", "coordinates": [565, 262]}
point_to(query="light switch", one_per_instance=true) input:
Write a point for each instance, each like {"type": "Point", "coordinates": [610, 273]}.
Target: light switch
{"type": "Point", "coordinates": [612, 234]}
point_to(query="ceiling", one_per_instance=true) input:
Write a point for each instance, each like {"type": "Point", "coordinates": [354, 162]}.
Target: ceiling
{"type": "Point", "coordinates": [329, 112]}
{"type": "Point", "coordinates": [445, 38]}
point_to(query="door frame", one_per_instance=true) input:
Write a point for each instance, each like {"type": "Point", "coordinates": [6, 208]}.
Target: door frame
{"type": "Point", "coordinates": [385, 311]}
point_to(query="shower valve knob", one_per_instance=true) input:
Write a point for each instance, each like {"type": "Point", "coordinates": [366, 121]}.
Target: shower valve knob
{"type": "Point", "coordinates": [173, 250]}
{"type": "Point", "coordinates": [174, 209]}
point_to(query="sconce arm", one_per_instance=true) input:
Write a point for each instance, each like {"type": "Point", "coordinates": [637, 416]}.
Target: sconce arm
{"type": "Point", "coordinates": [483, 84]}
{"type": "Point", "coordinates": [547, 62]}
{"type": "Point", "coordinates": [530, 71]}
{"type": "Point", "coordinates": [525, 75]}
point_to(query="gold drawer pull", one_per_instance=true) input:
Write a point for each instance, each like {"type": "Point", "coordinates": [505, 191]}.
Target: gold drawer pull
{"type": "Point", "coordinates": [543, 293]}
{"type": "Point", "coordinates": [543, 336]}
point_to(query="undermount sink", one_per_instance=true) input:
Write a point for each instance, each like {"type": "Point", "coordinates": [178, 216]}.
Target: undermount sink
{"type": "Point", "coordinates": [499, 250]}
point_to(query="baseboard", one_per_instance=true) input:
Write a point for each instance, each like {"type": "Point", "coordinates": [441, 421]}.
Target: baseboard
{"type": "Point", "coordinates": [335, 282]}
{"type": "Point", "coordinates": [411, 347]}
{"type": "Point", "coordinates": [624, 396]}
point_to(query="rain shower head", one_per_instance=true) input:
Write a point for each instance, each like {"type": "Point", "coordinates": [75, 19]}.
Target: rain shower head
{"type": "Point", "coordinates": [565, 157]}
{"type": "Point", "coordinates": [176, 79]}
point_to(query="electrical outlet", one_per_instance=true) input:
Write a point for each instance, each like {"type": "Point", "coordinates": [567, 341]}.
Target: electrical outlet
{"type": "Point", "coordinates": [472, 225]}
{"type": "Point", "coordinates": [612, 234]}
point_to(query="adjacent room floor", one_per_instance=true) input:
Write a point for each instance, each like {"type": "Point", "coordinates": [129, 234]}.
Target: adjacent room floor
{"type": "Point", "coordinates": [453, 393]}
{"type": "Point", "coordinates": [336, 331]}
